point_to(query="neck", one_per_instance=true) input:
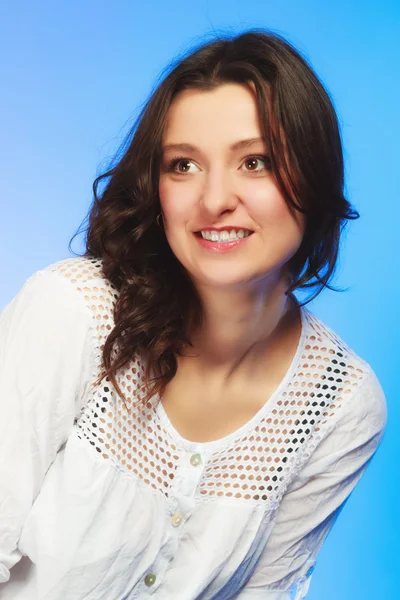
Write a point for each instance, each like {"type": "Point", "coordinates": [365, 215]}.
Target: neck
{"type": "Point", "coordinates": [239, 330]}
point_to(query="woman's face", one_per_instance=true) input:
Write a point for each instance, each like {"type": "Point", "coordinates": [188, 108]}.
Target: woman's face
{"type": "Point", "coordinates": [215, 174]}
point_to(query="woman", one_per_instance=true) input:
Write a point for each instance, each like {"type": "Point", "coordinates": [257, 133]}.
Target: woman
{"type": "Point", "coordinates": [174, 421]}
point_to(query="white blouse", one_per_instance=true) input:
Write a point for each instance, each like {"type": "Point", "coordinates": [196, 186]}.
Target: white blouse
{"type": "Point", "coordinates": [99, 503]}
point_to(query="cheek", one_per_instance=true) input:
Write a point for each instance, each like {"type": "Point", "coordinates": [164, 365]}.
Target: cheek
{"type": "Point", "coordinates": [268, 206]}
{"type": "Point", "coordinates": [177, 201]}
{"type": "Point", "coordinates": [264, 201]}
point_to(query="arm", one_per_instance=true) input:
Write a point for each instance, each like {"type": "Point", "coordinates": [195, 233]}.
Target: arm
{"type": "Point", "coordinates": [46, 364]}
{"type": "Point", "coordinates": [314, 499]}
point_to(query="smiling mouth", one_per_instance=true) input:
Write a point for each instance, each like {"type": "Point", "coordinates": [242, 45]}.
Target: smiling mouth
{"type": "Point", "coordinates": [198, 233]}
{"type": "Point", "coordinates": [221, 245]}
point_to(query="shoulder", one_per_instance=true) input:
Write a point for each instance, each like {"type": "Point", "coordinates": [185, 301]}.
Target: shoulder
{"type": "Point", "coordinates": [85, 277]}
{"type": "Point", "coordinates": [80, 271]}
{"type": "Point", "coordinates": [51, 320]}
{"type": "Point", "coordinates": [348, 380]}
{"type": "Point", "coordinates": [72, 294]}
{"type": "Point", "coordinates": [88, 287]}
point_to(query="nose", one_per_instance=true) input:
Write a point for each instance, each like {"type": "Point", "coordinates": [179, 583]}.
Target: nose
{"type": "Point", "coordinates": [217, 195]}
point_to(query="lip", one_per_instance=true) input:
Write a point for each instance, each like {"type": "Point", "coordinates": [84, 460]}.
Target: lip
{"type": "Point", "coordinates": [220, 247]}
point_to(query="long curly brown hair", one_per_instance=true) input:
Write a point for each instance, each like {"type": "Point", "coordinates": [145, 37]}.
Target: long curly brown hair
{"type": "Point", "coordinates": [157, 299]}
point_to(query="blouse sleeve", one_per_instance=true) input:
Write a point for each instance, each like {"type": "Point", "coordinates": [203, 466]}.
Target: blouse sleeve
{"type": "Point", "coordinates": [314, 499]}
{"type": "Point", "coordinates": [46, 363]}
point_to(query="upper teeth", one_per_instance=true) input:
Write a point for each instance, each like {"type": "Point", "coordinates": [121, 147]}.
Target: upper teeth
{"type": "Point", "coordinates": [223, 236]}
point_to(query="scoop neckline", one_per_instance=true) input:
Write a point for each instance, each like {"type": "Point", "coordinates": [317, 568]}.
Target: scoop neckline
{"type": "Point", "coordinates": [217, 444]}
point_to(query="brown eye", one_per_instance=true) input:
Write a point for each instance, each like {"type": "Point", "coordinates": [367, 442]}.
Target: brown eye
{"type": "Point", "coordinates": [181, 165]}
{"type": "Point", "coordinates": [256, 164]}
{"type": "Point", "coordinates": [185, 164]}
{"type": "Point", "coordinates": [252, 163]}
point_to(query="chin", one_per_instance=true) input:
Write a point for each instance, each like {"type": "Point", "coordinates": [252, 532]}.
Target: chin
{"type": "Point", "coordinates": [226, 280]}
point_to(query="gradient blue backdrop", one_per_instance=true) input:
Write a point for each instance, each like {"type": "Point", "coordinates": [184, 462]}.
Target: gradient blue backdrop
{"type": "Point", "coordinates": [73, 75]}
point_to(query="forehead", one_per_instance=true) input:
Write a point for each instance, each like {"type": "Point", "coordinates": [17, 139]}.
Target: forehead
{"type": "Point", "coordinates": [226, 112]}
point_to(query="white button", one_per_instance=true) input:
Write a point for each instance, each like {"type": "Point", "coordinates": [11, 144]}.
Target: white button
{"type": "Point", "coordinates": [176, 519]}
{"type": "Point", "coordinates": [150, 579]}
{"type": "Point", "coordinates": [195, 460]}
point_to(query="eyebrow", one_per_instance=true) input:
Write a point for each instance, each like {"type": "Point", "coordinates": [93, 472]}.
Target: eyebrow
{"type": "Point", "coordinates": [191, 148]}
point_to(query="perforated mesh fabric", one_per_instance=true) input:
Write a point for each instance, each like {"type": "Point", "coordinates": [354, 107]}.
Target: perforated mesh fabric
{"type": "Point", "coordinates": [257, 466]}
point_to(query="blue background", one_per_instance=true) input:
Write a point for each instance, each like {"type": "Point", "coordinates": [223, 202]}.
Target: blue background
{"type": "Point", "coordinates": [73, 79]}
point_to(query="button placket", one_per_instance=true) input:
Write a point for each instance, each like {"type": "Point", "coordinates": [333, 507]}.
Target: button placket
{"type": "Point", "coordinates": [177, 518]}
{"type": "Point", "coordinates": [182, 501]}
